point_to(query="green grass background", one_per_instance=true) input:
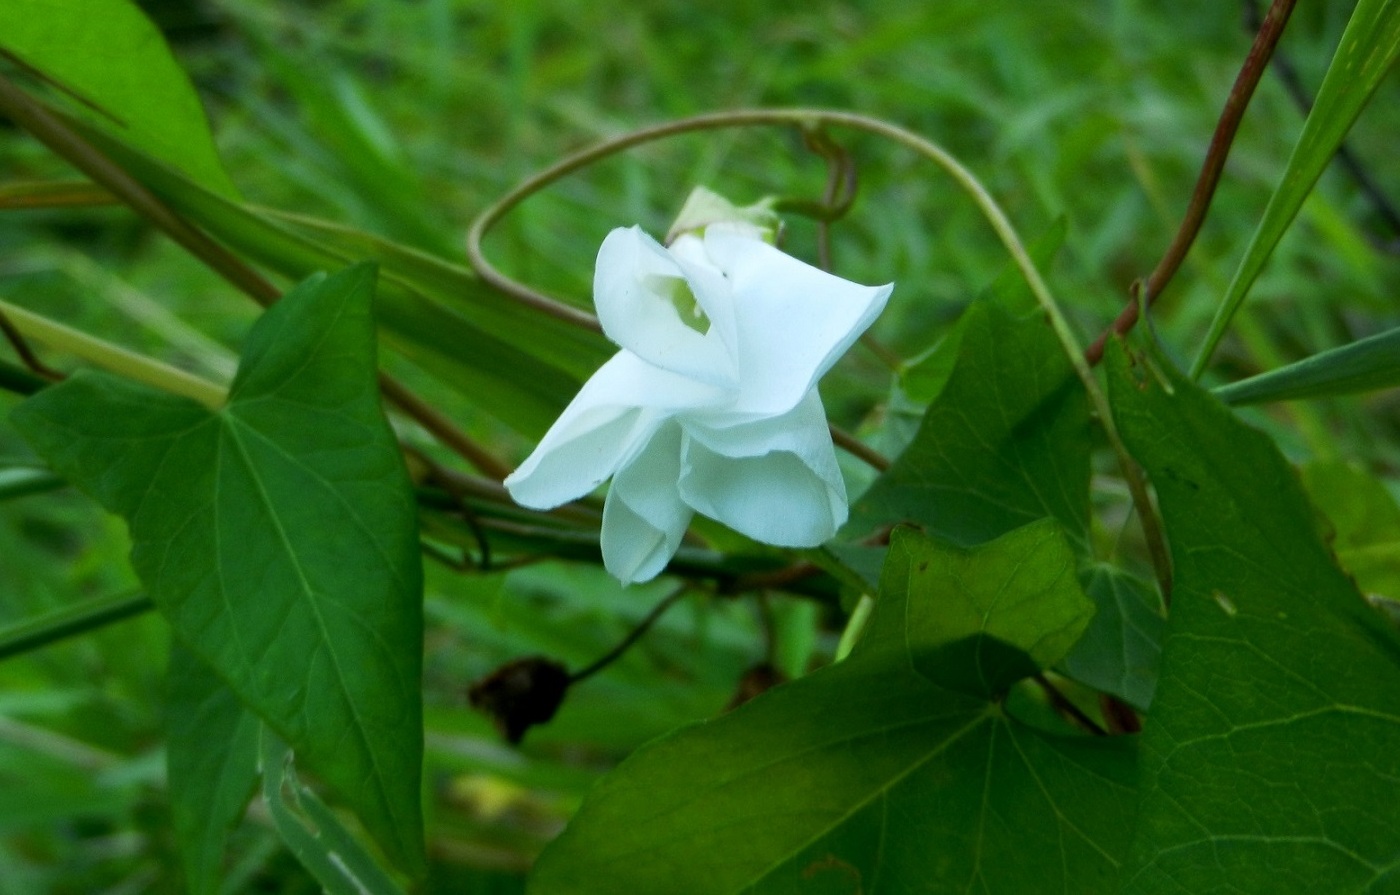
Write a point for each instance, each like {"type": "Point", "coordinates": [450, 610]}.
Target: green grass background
{"type": "Point", "coordinates": [407, 118]}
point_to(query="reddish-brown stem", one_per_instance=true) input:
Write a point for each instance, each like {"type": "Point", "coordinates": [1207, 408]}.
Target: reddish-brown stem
{"type": "Point", "coordinates": [1145, 292]}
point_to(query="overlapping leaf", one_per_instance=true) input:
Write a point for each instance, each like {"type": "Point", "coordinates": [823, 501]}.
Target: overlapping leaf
{"type": "Point", "coordinates": [278, 536]}
{"type": "Point", "coordinates": [1270, 753]}
{"type": "Point", "coordinates": [1120, 649]}
{"type": "Point", "coordinates": [869, 776]}
{"type": "Point", "coordinates": [110, 56]}
{"type": "Point", "coordinates": [1005, 443]}
{"type": "Point", "coordinates": [209, 787]}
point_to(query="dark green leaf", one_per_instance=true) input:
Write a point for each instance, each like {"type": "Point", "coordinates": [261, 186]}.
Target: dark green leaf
{"type": "Point", "coordinates": [212, 762]}
{"type": "Point", "coordinates": [110, 55]}
{"type": "Point", "coordinates": [987, 617]}
{"type": "Point", "coordinates": [1119, 651]}
{"type": "Point", "coordinates": [278, 535]}
{"type": "Point", "coordinates": [862, 777]}
{"type": "Point", "coordinates": [1005, 443]}
{"type": "Point", "coordinates": [1271, 749]}
{"type": "Point", "coordinates": [924, 377]}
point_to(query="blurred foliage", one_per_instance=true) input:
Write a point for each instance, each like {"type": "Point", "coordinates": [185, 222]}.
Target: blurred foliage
{"type": "Point", "coordinates": [405, 119]}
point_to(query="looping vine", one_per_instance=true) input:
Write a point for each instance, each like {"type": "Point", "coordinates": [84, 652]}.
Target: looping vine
{"type": "Point", "coordinates": [814, 121]}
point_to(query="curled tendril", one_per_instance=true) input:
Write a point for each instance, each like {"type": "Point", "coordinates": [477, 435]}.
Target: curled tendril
{"type": "Point", "coordinates": [812, 123]}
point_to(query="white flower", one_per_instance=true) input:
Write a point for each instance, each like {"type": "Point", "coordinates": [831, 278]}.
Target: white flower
{"type": "Point", "coordinates": [711, 406]}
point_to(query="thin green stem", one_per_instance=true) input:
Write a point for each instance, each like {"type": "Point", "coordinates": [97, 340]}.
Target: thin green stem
{"type": "Point", "coordinates": [113, 357]}
{"type": "Point", "coordinates": [60, 624]}
{"type": "Point", "coordinates": [855, 626]}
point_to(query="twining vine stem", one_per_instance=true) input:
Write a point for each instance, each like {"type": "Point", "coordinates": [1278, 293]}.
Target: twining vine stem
{"type": "Point", "coordinates": [810, 120]}
{"type": "Point", "coordinates": [1145, 292]}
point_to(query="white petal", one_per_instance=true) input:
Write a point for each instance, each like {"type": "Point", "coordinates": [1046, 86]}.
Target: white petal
{"type": "Point", "coordinates": [644, 518]}
{"type": "Point", "coordinates": [773, 479]}
{"type": "Point", "coordinates": [793, 320]}
{"type": "Point", "coordinates": [713, 293]}
{"type": "Point", "coordinates": [612, 415]}
{"type": "Point", "coordinates": [631, 284]}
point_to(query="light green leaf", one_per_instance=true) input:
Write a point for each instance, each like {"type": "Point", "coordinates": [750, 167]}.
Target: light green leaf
{"type": "Point", "coordinates": [1005, 443]}
{"type": "Point", "coordinates": [1270, 752]}
{"type": "Point", "coordinates": [312, 833]}
{"type": "Point", "coordinates": [1363, 366]}
{"type": "Point", "coordinates": [212, 765]}
{"type": "Point", "coordinates": [278, 536]}
{"type": "Point", "coordinates": [989, 616]}
{"type": "Point", "coordinates": [863, 777]}
{"type": "Point", "coordinates": [1367, 50]}
{"type": "Point", "coordinates": [110, 55]}
{"type": "Point", "coordinates": [1365, 523]}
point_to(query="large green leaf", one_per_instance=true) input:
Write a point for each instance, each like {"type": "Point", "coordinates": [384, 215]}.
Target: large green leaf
{"type": "Point", "coordinates": [924, 377]}
{"type": "Point", "coordinates": [209, 786]}
{"type": "Point", "coordinates": [990, 616]}
{"type": "Point", "coordinates": [1271, 750]}
{"type": "Point", "coordinates": [1005, 443]}
{"type": "Point", "coordinates": [278, 535]}
{"type": "Point", "coordinates": [110, 55]}
{"type": "Point", "coordinates": [1368, 49]}
{"type": "Point", "coordinates": [867, 776]}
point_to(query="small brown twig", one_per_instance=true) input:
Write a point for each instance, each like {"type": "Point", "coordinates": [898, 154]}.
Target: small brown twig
{"type": "Point", "coordinates": [26, 353]}
{"type": "Point", "coordinates": [859, 449]}
{"type": "Point", "coordinates": [633, 636]}
{"type": "Point", "coordinates": [1146, 292]}
{"type": "Point", "coordinates": [840, 191]}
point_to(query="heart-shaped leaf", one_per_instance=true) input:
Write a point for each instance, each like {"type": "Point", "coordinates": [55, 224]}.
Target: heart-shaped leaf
{"type": "Point", "coordinates": [868, 776]}
{"type": "Point", "coordinates": [1270, 754]}
{"type": "Point", "coordinates": [278, 535]}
